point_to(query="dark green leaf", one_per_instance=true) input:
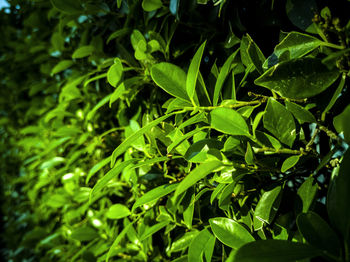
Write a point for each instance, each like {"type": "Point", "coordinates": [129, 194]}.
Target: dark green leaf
{"type": "Point", "coordinates": [306, 195]}
{"type": "Point", "coordinates": [255, 55]}
{"type": "Point", "coordinates": [300, 113]}
{"type": "Point", "coordinates": [341, 123]}
{"type": "Point", "coordinates": [61, 66]}
{"type": "Point", "coordinates": [83, 51]}
{"type": "Point", "coordinates": [290, 78]}
{"type": "Point", "coordinates": [67, 6]}
{"type": "Point", "coordinates": [152, 230]}
{"type": "Point", "coordinates": [171, 78]}
{"type": "Point", "coordinates": [274, 251]}
{"type": "Point", "coordinates": [280, 122]}
{"type": "Point", "coordinates": [84, 234]}
{"type": "Point", "coordinates": [318, 233]}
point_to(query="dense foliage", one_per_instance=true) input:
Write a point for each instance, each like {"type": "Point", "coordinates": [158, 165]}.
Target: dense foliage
{"type": "Point", "coordinates": [155, 130]}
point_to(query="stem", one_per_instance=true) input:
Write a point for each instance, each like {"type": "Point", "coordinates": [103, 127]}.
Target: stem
{"type": "Point", "coordinates": [332, 45]}
{"type": "Point", "coordinates": [237, 105]}
{"type": "Point", "coordinates": [269, 150]}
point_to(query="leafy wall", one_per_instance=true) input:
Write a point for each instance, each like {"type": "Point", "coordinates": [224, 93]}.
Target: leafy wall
{"type": "Point", "coordinates": [175, 130]}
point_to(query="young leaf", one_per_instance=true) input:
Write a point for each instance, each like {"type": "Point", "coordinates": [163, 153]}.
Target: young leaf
{"type": "Point", "coordinates": [230, 232]}
{"type": "Point", "coordinates": [267, 207]}
{"type": "Point", "coordinates": [290, 78]}
{"type": "Point", "coordinates": [280, 122]}
{"type": "Point", "coordinates": [117, 211]}
{"type": "Point", "coordinates": [83, 51]}
{"type": "Point", "coordinates": [115, 73]}
{"type": "Point", "coordinates": [193, 71]}
{"type": "Point", "coordinates": [130, 139]}
{"type": "Point", "coordinates": [289, 163]}
{"type": "Point", "coordinates": [171, 78]}
{"type": "Point", "coordinates": [275, 251]}
{"type": "Point", "coordinates": [154, 194]}
{"type": "Point", "coordinates": [318, 233]}
{"type": "Point", "coordinates": [228, 121]}
{"type": "Point", "coordinates": [224, 71]}
{"type": "Point", "coordinates": [197, 174]}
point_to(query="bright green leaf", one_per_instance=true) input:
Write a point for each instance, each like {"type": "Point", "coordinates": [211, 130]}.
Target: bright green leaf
{"type": "Point", "coordinates": [289, 163]}
{"type": "Point", "coordinates": [83, 51]}
{"type": "Point", "coordinates": [152, 230]}
{"type": "Point", "coordinates": [198, 245]}
{"type": "Point", "coordinates": [151, 5]}
{"type": "Point", "coordinates": [115, 73]}
{"type": "Point", "coordinates": [117, 211]}
{"type": "Point", "coordinates": [61, 66]}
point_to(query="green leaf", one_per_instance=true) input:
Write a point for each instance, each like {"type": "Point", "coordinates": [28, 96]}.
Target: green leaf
{"type": "Point", "coordinates": [294, 45]}
{"type": "Point", "coordinates": [289, 163]}
{"type": "Point", "coordinates": [318, 233]}
{"type": "Point", "coordinates": [119, 33]}
{"type": "Point", "coordinates": [275, 251]}
{"type": "Point", "coordinates": [178, 141]}
{"type": "Point", "coordinates": [193, 71]}
{"type": "Point", "coordinates": [100, 104]}
{"type": "Point", "coordinates": [224, 71]}
{"type": "Point", "coordinates": [230, 232]}
{"type": "Point", "coordinates": [117, 211]}
{"type": "Point", "coordinates": [188, 207]}
{"type": "Point", "coordinates": [290, 78]}
{"type": "Point", "coordinates": [61, 66]}
{"type": "Point", "coordinates": [338, 197]}
{"type": "Point", "coordinates": [280, 122]}
{"type": "Point", "coordinates": [151, 5]}
{"type": "Point", "coordinates": [84, 234]}
{"type": "Point", "coordinates": [115, 73]}
{"type": "Point", "coordinates": [130, 139]}
{"type": "Point", "coordinates": [171, 78]}
{"type": "Point", "coordinates": [118, 239]}
{"type": "Point", "coordinates": [301, 13]}
{"type": "Point", "coordinates": [153, 229]}
{"type": "Point", "coordinates": [200, 151]}
{"type": "Point", "coordinates": [83, 51]}
{"type": "Point", "coordinates": [341, 123]}
{"type": "Point", "coordinates": [67, 6]}
{"type": "Point", "coordinates": [197, 174]}
{"type": "Point", "coordinates": [228, 121]}
{"type": "Point", "coordinates": [198, 245]}
{"type": "Point", "coordinates": [300, 113]}
{"type": "Point", "coordinates": [154, 194]}
{"type": "Point", "coordinates": [249, 156]}
{"type": "Point", "coordinates": [183, 242]}
{"type": "Point", "coordinates": [267, 207]}
{"type": "Point", "coordinates": [306, 195]}
{"type": "Point", "coordinates": [255, 55]}
{"type": "Point", "coordinates": [109, 176]}
{"type": "Point", "coordinates": [96, 168]}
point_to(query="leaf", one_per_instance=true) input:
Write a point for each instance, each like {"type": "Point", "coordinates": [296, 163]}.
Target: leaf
{"type": "Point", "coordinates": [83, 51]}
{"type": "Point", "coordinates": [117, 211]}
{"type": "Point", "coordinates": [130, 139]}
{"type": "Point", "coordinates": [154, 194]}
{"type": "Point", "coordinates": [318, 233]}
{"type": "Point", "coordinates": [289, 163]}
{"type": "Point", "coordinates": [249, 156]}
{"type": "Point", "coordinates": [119, 33]}
{"type": "Point", "coordinates": [193, 71]}
{"type": "Point", "coordinates": [301, 13]}
{"type": "Point", "coordinates": [197, 174]}
{"type": "Point", "coordinates": [115, 73]}
{"type": "Point", "coordinates": [171, 78]}
{"type": "Point", "coordinates": [294, 45]}
{"type": "Point", "coordinates": [274, 251]}
{"type": "Point", "coordinates": [255, 55]}
{"type": "Point", "coordinates": [199, 151]}
{"type": "Point", "coordinates": [280, 122]}
{"type": "Point", "coordinates": [230, 232]}
{"type": "Point", "coordinates": [198, 245]}
{"type": "Point", "coordinates": [224, 71]}
{"type": "Point", "coordinates": [109, 176]}
{"type": "Point", "coordinates": [84, 234]}
{"type": "Point", "coordinates": [100, 104]}
{"type": "Point", "coordinates": [188, 207]}
{"type": "Point", "coordinates": [306, 195]}
{"type": "Point", "coordinates": [228, 121]}
{"type": "Point", "coordinates": [61, 66]}
{"type": "Point", "coordinates": [267, 207]}
{"type": "Point", "coordinates": [153, 229]}
{"type": "Point", "coordinates": [183, 242]}
{"type": "Point", "coordinates": [300, 113]}
{"type": "Point", "coordinates": [96, 168]}
{"type": "Point", "coordinates": [118, 239]}
{"type": "Point", "coordinates": [67, 6]}
{"type": "Point", "coordinates": [290, 79]}
{"type": "Point", "coordinates": [178, 141]}
{"type": "Point", "coordinates": [341, 123]}
{"type": "Point", "coordinates": [151, 5]}
{"type": "Point", "coordinates": [338, 197]}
